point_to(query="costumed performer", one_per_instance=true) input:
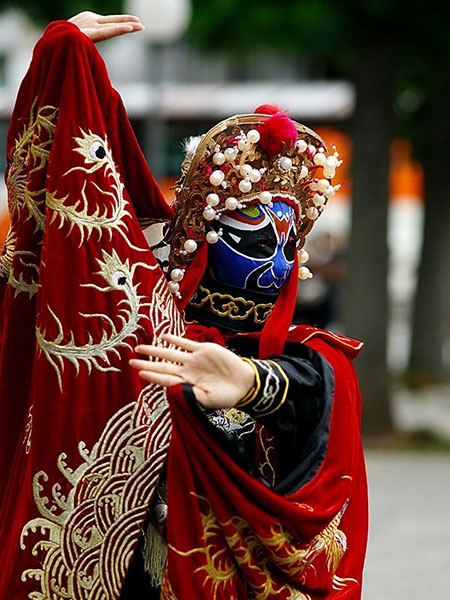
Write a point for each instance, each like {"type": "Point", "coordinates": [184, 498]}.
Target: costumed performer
{"type": "Point", "coordinates": [264, 486]}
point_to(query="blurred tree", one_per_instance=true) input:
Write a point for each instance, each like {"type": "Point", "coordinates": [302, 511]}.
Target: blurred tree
{"type": "Point", "coordinates": [44, 11]}
{"type": "Point", "coordinates": [361, 40]}
{"type": "Point", "coordinates": [425, 114]}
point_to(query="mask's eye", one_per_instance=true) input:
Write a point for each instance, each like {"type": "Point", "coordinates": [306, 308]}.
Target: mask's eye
{"type": "Point", "coordinates": [263, 241]}
{"type": "Point", "coordinates": [119, 279]}
{"type": "Point", "coordinates": [290, 246]}
{"type": "Point", "coordinates": [97, 151]}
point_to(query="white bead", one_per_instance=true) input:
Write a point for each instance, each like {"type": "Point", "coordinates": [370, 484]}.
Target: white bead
{"type": "Point", "coordinates": [174, 286]}
{"type": "Point", "coordinates": [160, 512]}
{"type": "Point", "coordinates": [209, 213]}
{"type": "Point", "coordinates": [177, 275]}
{"type": "Point", "coordinates": [219, 158]}
{"type": "Point", "coordinates": [301, 145]}
{"type": "Point", "coordinates": [216, 177]}
{"type": "Point", "coordinates": [253, 136]}
{"type": "Point", "coordinates": [319, 159]}
{"type": "Point", "coordinates": [303, 256]}
{"type": "Point", "coordinates": [329, 172]}
{"type": "Point", "coordinates": [265, 197]}
{"type": "Point", "coordinates": [190, 246]}
{"type": "Point", "coordinates": [329, 193]}
{"type": "Point", "coordinates": [231, 203]}
{"type": "Point", "coordinates": [243, 145]}
{"type": "Point", "coordinates": [323, 184]}
{"type": "Point", "coordinates": [285, 163]}
{"type": "Point", "coordinates": [245, 186]}
{"type": "Point", "coordinates": [313, 186]}
{"type": "Point", "coordinates": [212, 237]}
{"type": "Point", "coordinates": [312, 213]}
{"type": "Point", "coordinates": [304, 171]}
{"type": "Point", "coordinates": [212, 199]}
{"type": "Point", "coordinates": [255, 175]}
{"type": "Point", "coordinates": [312, 149]}
{"type": "Point", "coordinates": [245, 170]}
{"type": "Point", "coordinates": [304, 273]}
{"type": "Point", "coordinates": [230, 154]}
{"type": "Point", "coordinates": [331, 161]}
{"type": "Point", "coordinates": [319, 200]}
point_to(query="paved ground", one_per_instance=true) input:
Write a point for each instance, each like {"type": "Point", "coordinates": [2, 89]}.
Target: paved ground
{"type": "Point", "coordinates": [409, 542]}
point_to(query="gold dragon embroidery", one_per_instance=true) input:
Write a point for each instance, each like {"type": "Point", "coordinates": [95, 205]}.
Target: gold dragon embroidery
{"type": "Point", "coordinates": [26, 197]}
{"type": "Point", "coordinates": [97, 156]}
{"type": "Point", "coordinates": [233, 545]}
{"type": "Point", "coordinates": [118, 275]}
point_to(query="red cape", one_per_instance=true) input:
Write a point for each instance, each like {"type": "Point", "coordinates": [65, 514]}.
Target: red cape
{"type": "Point", "coordinates": [79, 288]}
{"type": "Point", "coordinates": [230, 536]}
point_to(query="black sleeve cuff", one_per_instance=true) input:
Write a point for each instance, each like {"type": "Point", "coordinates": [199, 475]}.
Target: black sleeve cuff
{"type": "Point", "coordinates": [269, 391]}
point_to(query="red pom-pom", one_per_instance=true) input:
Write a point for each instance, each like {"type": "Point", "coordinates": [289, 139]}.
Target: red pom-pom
{"type": "Point", "coordinates": [276, 131]}
{"type": "Point", "coordinates": [268, 109]}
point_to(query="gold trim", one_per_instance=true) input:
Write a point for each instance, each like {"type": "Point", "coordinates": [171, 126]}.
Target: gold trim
{"type": "Point", "coordinates": [254, 390]}
{"type": "Point", "coordinates": [286, 389]}
{"type": "Point", "coordinates": [333, 336]}
{"type": "Point", "coordinates": [226, 305]}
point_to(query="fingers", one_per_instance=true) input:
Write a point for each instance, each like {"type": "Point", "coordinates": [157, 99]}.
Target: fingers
{"type": "Point", "coordinates": [177, 356]}
{"type": "Point", "coordinates": [181, 342]}
{"type": "Point", "coordinates": [110, 31]}
{"type": "Point", "coordinates": [118, 18]}
{"type": "Point", "coordinates": [156, 367]}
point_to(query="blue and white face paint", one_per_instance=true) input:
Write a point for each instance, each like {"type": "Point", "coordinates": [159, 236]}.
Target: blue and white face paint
{"type": "Point", "coordinates": [257, 247]}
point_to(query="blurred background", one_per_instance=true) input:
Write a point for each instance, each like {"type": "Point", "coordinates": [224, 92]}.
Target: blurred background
{"type": "Point", "coordinates": [373, 78]}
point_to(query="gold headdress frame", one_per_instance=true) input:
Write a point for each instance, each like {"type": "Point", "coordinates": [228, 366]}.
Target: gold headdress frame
{"type": "Point", "coordinates": [212, 183]}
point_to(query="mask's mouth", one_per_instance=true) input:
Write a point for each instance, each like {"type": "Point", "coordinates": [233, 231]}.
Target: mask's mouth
{"type": "Point", "coordinates": [255, 280]}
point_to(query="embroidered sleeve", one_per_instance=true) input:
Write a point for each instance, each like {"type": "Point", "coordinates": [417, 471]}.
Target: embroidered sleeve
{"type": "Point", "coordinates": [269, 391]}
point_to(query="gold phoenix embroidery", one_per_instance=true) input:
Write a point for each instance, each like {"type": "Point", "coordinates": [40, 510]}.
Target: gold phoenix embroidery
{"type": "Point", "coordinates": [225, 305]}
{"type": "Point", "coordinates": [26, 195]}
{"type": "Point", "coordinates": [118, 275]}
{"type": "Point", "coordinates": [232, 545]}
{"type": "Point", "coordinates": [87, 535]}
{"type": "Point", "coordinates": [97, 156]}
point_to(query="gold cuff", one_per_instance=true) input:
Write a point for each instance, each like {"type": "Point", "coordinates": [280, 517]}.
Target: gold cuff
{"type": "Point", "coordinates": [254, 390]}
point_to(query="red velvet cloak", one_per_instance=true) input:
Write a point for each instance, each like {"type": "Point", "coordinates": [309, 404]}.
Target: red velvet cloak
{"type": "Point", "coordinates": [79, 288]}
{"type": "Point", "coordinates": [231, 537]}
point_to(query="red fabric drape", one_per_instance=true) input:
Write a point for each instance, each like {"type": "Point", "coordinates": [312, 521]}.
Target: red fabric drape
{"type": "Point", "coordinates": [232, 537]}
{"type": "Point", "coordinates": [81, 445]}
{"type": "Point", "coordinates": [77, 290]}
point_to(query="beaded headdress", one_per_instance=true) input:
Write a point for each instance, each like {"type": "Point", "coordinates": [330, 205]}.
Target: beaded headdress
{"type": "Point", "coordinates": [244, 160]}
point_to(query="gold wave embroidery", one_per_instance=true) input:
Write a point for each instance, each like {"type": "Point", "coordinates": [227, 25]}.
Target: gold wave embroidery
{"type": "Point", "coordinates": [232, 546]}
{"type": "Point", "coordinates": [118, 275]}
{"type": "Point", "coordinates": [87, 535]}
{"type": "Point", "coordinates": [97, 156]}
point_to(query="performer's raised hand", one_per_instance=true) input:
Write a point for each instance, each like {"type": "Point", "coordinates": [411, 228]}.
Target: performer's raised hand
{"type": "Point", "coordinates": [218, 376]}
{"type": "Point", "coordinates": [102, 27]}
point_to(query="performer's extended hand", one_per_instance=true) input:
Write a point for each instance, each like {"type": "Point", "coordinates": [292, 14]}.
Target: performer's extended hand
{"type": "Point", "coordinates": [218, 376]}
{"type": "Point", "coordinates": [99, 27]}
